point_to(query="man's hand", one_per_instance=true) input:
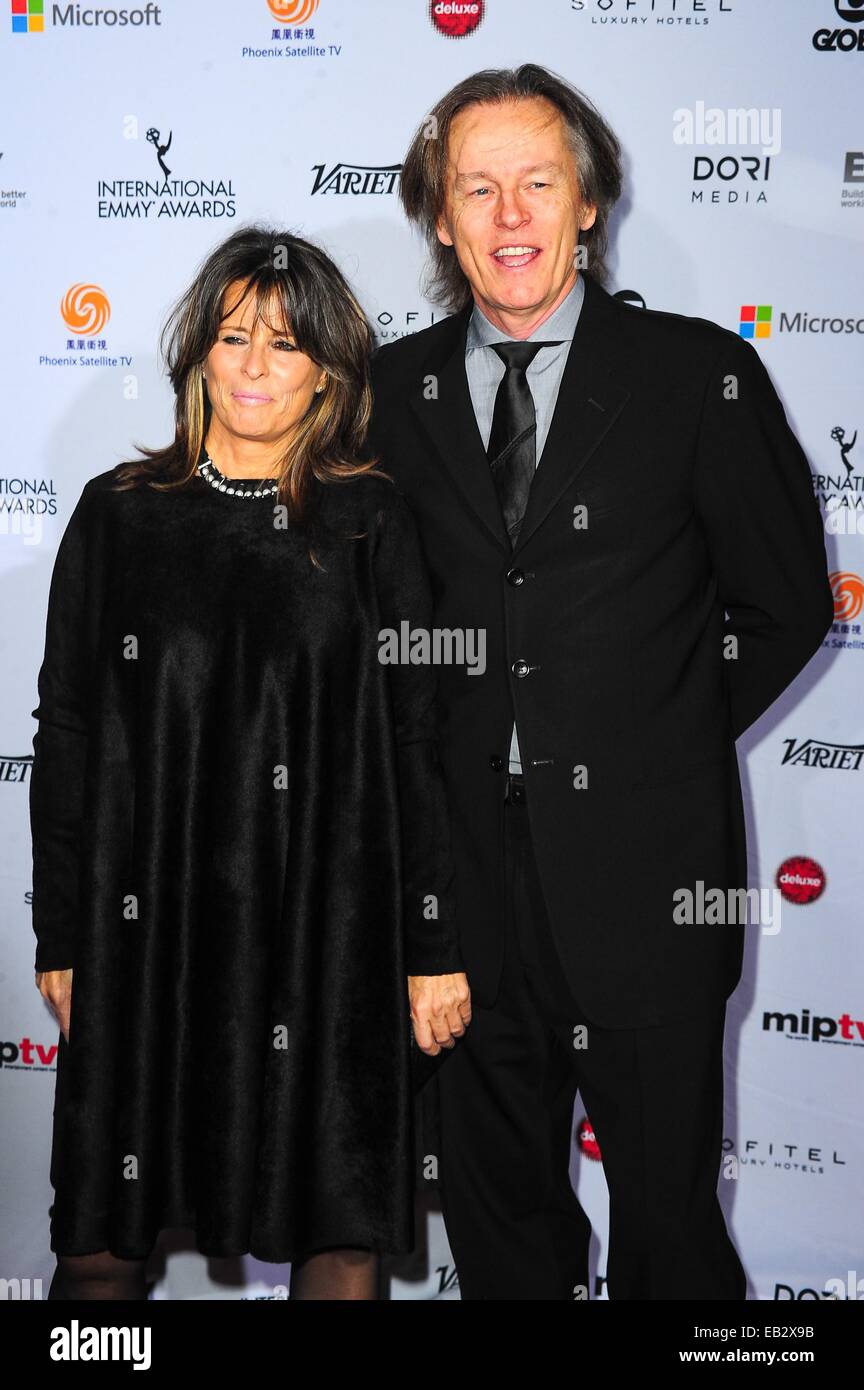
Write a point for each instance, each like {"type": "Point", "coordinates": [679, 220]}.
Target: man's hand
{"type": "Point", "coordinates": [440, 1010]}
{"type": "Point", "coordinates": [55, 986]}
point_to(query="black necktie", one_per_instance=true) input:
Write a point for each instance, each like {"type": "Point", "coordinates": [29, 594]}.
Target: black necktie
{"type": "Point", "coordinates": [512, 439]}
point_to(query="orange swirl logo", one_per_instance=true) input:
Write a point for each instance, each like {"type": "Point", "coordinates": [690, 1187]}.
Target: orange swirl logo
{"type": "Point", "coordinates": [292, 11]}
{"type": "Point", "coordinates": [848, 591]}
{"type": "Point", "coordinates": [85, 309]}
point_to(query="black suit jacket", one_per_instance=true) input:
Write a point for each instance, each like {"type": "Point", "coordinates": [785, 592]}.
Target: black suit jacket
{"type": "Point", "coordinates": [672, 509]}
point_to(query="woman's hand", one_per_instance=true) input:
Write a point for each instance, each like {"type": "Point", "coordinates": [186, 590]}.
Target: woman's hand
{"type": "Point", "coordinates": [440, 1010]}
{"type": "Point", "coordinates": [55, 986]}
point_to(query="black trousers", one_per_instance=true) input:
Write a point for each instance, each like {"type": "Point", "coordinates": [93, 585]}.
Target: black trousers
{"type": "Point", "coordinates": [654, 1097]}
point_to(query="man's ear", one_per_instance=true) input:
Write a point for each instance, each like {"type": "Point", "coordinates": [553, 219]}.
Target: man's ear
{"type": "Point", "coordinates": [589, 217]}
{"type": "Point", "coordinates": [441, 231]}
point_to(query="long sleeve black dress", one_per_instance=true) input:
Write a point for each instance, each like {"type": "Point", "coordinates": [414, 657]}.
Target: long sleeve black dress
{"type": "Point", "coordinates": [241, 847]}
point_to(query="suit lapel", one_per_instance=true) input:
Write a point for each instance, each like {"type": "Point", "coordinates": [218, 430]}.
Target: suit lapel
{"type": "Point", "coordinates": [442, 403]}
{"type": "Point", "coordinates": [589, 401]}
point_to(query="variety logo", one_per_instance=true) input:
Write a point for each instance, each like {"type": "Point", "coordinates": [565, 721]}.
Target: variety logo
{"type": "Point", "coordinates": [455, 19]}
{"type": "Point", "coordinates": [813, 752]}
{"type": "Point", "coordinates": [842, 40]}
{"type": "Point", "coordinates": [800, 880]}
{"type": "Point", "coordinates": [13, 769]}
{"type": "Point", "coordinates": [356, 179]}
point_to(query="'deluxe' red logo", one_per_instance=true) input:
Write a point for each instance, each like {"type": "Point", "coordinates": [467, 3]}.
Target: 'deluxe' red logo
{"type": "Point", "coordinates": [455, 18]}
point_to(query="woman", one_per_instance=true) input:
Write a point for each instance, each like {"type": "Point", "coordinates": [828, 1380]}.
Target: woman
{"type": "Point", "coordinates": [240, 837]}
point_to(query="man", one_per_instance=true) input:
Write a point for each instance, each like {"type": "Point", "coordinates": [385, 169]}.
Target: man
{"type": "Point", "coordinates": [646, 594]}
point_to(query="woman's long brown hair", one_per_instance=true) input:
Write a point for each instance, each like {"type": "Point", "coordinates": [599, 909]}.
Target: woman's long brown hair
{"type": "Point", "coordinates": [326, 322]}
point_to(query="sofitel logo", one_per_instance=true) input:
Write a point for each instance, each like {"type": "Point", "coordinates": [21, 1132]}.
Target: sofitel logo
{"type": "Point", "coordinates": [680, 13]}
{"type": "Point", "coordinates": [768, 1153]}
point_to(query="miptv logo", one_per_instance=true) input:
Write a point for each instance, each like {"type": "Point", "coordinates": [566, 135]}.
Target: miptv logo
{"type": "Point", "coordinates": [85, 310]}
{"type": "Point", "coordinates": [292, 11]}
{"type": "Point", "coordinates": [455, 19]}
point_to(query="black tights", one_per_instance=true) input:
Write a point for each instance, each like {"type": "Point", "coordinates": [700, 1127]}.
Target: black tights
{"type": "Point", "coordinates": [327, 1274]}
{"type": "Point", "coordinates": [102, 1275]}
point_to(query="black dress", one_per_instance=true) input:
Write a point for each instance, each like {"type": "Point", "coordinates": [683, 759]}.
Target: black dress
{"type": "Point", "coordinates": [241, 847]}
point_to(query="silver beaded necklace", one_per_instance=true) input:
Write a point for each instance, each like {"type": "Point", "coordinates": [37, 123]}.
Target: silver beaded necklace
{"type": "Point", "coordinates": [237, 487]}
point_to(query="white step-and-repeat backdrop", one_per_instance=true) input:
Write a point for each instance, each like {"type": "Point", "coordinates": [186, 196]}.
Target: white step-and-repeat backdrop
{"type": "Point", "coordinates": [134, 137]}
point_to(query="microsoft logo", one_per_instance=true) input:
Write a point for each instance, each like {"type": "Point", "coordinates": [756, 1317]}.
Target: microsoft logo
{"type": "Point", "coordinates": [28, 16]}
{"type": "Point", "coordinates": [755, 321]}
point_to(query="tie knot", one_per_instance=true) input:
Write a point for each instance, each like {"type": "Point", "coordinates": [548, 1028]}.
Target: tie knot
{"type": "Point", "coordinates": [518, 356]}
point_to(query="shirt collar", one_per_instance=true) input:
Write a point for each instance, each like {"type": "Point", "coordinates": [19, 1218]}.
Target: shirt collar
{"type": "Point", "coordinates": [559, 326]}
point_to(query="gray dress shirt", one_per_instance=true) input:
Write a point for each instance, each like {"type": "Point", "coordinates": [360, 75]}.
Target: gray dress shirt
{"type": "Point", "coordinates": [485, 371]}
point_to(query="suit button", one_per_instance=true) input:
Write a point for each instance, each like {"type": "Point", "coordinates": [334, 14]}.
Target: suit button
{"type": "Point", "coordinates": [520, 667]}
{"type": "Point", "coordinates": [515, 577]}
{"type": "Point", "coordinates": [496, 763]}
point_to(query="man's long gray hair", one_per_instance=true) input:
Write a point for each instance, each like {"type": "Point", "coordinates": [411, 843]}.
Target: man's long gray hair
{"type": "Point", "coordinates": [595, 148]}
